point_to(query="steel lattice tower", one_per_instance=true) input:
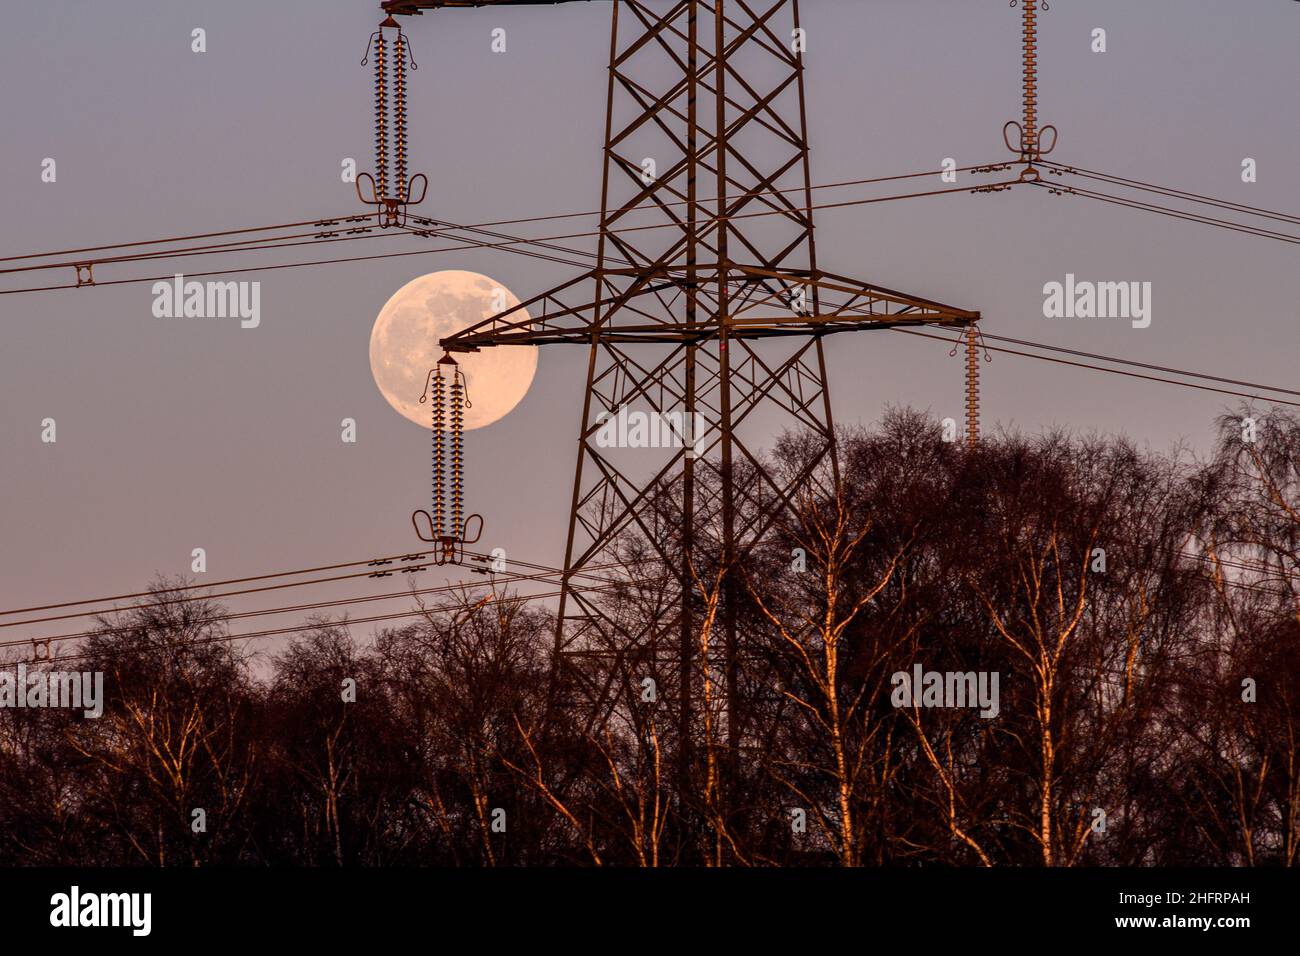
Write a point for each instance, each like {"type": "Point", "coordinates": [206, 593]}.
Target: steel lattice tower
{"type": "Point", "coordinates": [719, 311]}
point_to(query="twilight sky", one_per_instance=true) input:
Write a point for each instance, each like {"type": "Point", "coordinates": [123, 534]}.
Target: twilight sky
{"type": "Point", "coordinates": [179, 434]}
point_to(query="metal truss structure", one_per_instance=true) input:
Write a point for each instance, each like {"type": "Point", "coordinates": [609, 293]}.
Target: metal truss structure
{"type": "Point", "coordinates": [706, 307]}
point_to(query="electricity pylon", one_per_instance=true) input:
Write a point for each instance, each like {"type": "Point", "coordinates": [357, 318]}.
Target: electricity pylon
{"type": "Point", "coordinates": [705, 305]}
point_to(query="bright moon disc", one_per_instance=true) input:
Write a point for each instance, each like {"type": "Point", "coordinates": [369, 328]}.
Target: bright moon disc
{"type": "Point", "coordinates": [404, 346]}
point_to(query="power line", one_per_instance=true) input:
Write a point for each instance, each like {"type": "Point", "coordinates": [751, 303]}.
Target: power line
{"type": "Point", "coordinates": [200, 235]}
{"type": "Point", "coordinates": [259, 245]}
{"type": "Point", "coordinates": [506, 245]}
{"type": "Point", "coordinates": [288, 265]}
{"type": "Point", "coordinates": [410, 568]}
{"type": "Point", "coordinates": [225, 618]}
{"type": "Point", "coordinates": [504, 579]}
{"type": "Point", "coordinates": [228, 638]}
{"type": "Point", "coordinates": [368, 217]}
{"type": "Point", "coordinates": [1136, 364]}
{"type": "Point", "coordinates": [1170, 191]}
{"type": "Point", "coordinates": [213, 584]}
{"type": "Point", "coordinates": [1169, 212]}
{"type": "Point", "coordinates": [280, 241]}
{"type": "Point", "coordinates": [508, 242]}
{"type": "Point", "coordinates": [978, 167]}
{"type": "Point", "coordinates": [1112, 371]}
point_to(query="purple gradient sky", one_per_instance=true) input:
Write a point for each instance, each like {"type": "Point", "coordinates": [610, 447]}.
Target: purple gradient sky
{"type": "Point", "coordinates": [176, 435]}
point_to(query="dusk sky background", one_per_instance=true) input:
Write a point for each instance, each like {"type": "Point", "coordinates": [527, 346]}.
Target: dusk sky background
{"type": "Point", "coordinates": [177, 434]}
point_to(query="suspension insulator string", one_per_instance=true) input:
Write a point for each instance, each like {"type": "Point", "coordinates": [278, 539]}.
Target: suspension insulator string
{"type": "Point", "coordinates": [1030, 40]}
{"type": "Point", "coordinates": [972, 386]}
{"type": "Point", "coordinates": [381, 115]}
{"type": "Point", "coordinates": [435, 394]}
{"type": "Point", "coordinates": [457, 416]}
{"type": "Point", "coordinates": [393, 184]}
{"type": "Point", "coordinates": [1030, 140]}
{"type": "Point", "coordinates": [399, 114]}
{"type": "Point", "coordinates": [447, 392]}
{"type": "Point", "coordinates": [439, 456]}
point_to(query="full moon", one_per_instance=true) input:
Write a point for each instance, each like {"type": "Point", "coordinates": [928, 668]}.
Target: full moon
{"type": "Point", "coordinates": [404, 346]}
